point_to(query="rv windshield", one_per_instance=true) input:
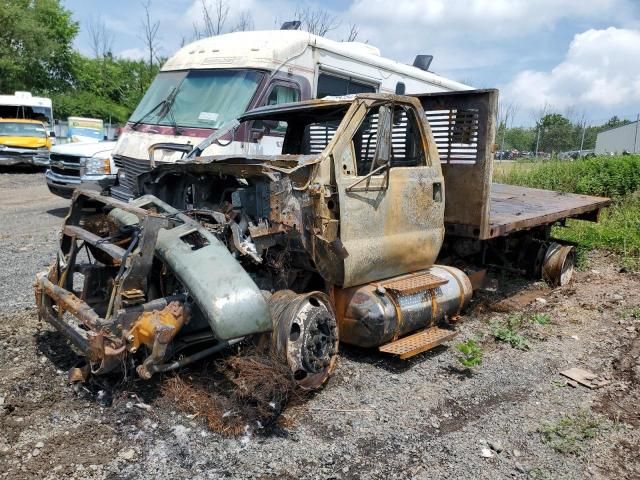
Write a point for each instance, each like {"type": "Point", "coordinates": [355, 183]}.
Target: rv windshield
{"type": "Point", "coordinates": [26, 111]}
{"type": "Point", "coordinates": [203, 98]}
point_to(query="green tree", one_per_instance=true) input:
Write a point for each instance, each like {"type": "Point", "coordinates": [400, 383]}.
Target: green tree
{"type": "Point", "coordinates": [614, 122]}
{"type": "Point", "coordinates": [556, 133]}
{"type": "Point", "coordinates": [35, 45]}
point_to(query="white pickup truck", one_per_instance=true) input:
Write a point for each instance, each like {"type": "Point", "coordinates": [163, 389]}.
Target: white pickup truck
{"type": "Point", "coordinates": [86, 164]}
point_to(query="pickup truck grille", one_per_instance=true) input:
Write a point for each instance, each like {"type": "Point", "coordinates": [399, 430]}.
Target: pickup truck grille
{"type": "Point", "coordinates": [127, 187]}
{"type": "Point", "coordinates": [68, 165]}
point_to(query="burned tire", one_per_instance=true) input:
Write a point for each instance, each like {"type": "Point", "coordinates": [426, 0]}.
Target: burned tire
{"type": "Point", "coordinates": [305, 335]}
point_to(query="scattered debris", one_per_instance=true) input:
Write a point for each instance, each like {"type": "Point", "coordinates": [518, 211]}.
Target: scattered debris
{"type": "Point", "coordinates": [496, 446]}
{"type": "Point", "coordinates": [584, 377]}
{"type": "Point", "coordinates": [252, 394]}
{"type": "Point", "coordinates": [486, 452]}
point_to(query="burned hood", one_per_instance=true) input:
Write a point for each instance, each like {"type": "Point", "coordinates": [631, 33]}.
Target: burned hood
{"type": "Point", "coordinates": [271, 166]}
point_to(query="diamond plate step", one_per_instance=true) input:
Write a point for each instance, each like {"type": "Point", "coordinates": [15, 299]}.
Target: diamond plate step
{"type": "Point", "coordinates": [416, 282]}
{"type": "Point", "coordinates": [418, 342]}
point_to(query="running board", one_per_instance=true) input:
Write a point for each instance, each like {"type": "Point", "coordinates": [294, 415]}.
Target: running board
{"type": "Point", "coordinates": [418, 342]}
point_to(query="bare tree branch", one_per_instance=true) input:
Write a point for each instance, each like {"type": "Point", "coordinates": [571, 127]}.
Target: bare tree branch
{"type": "Point", "coordinates": [353, 32]}
{"type": "Point", "coordinates": [319, 22]}
{"type": "Point", "coordinates": [100, 39]}
{"type": "Point", "coordinates": [149, 32]}
{"type": "Point", "coordinates": [214, 18]}
{"type": "Point", "coordinates": [245, 22]}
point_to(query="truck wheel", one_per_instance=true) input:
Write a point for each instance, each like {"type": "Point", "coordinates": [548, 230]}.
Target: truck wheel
{"type": "Point", "coordinates": [305, 335]}
{"type": "Point", "coordinates": [558, 265]}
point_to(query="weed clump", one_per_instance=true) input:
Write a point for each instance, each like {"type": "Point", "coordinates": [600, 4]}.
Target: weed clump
{"type": "Point", "coordinates": [540, 318]}
{"type": "Point", "coordinates": [569, 434]}
{"type": "Point", "coordinates": [470, 353]}
{"type": "Point", "coordinates": [508, 331]}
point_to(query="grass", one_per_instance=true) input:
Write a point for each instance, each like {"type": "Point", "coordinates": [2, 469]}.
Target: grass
{"type": "Point", "coordinates": [615, 177]}
{"type": "Point", "coordinates": [603, 176]}
{"type": "Point", "coordinates": [470, 353]}
{"type": "Point", "coordinates": [571, 432]}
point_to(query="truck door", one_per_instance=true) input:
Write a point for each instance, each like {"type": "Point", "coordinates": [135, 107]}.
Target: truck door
{"type": "Point", "coordinates": [391, 194]}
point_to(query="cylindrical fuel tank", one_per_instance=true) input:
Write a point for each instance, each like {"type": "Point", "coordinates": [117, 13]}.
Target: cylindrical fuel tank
{"type": "Point", "coordinates": [376, 313]}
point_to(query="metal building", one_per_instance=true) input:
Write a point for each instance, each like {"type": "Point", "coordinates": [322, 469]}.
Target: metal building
{"type": "Point", "coordinates": [618, 139]}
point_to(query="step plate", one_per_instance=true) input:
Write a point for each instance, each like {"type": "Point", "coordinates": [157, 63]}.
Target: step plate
{"type": "Point", "coordinates": [417, 282]}
{"type": "Point", "coordinates": [418, 342]}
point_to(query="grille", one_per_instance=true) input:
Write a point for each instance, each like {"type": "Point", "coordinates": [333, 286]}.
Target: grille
{"type": "Point", "coordinates": [70, 159]}
{"type": "Point", "coordinates": [68, 165]}
{"type": "Point", "coordinates": [127, 187]}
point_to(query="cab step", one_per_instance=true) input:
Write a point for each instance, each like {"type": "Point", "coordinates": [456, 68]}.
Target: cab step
{"type": "Point", "coordinates": [418, 342]}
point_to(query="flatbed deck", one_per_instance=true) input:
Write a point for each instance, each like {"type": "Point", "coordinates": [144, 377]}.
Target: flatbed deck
{"type": "Point", "coordinates": [515, 208]}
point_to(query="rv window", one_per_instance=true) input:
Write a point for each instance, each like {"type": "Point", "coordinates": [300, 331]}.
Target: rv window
{"type": "Point", "coordinates": [328, 85]}
{"type": "Point", "coordinates": [283, 94]}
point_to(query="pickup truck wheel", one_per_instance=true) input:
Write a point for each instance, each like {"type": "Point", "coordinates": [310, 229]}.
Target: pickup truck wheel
{"type": "Point", "coordinates": [305, 335]}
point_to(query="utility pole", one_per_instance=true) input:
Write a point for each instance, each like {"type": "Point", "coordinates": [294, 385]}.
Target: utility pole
{"type": "Point", "coordinates": [635, 139]}
{"type": "Point", "coordinates": [537, 141]}
{"type": "Point", "coordinates": [584, 129]}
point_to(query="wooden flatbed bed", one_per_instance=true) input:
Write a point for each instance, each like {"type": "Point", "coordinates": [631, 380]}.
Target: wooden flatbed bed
{"type": "Point", "coordinates": [515, 208]}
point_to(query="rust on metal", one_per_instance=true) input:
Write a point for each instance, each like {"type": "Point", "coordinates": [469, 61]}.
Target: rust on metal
{"type": "Point", "coordinates": [515, 208]}
{"type": "Point", "coordinates": [418, 342]}
{"type": "Point", "coordinates": [414, 283]}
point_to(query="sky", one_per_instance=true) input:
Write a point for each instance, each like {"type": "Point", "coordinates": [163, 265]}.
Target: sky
{"type": "Point", "coordinates": [580, 58]}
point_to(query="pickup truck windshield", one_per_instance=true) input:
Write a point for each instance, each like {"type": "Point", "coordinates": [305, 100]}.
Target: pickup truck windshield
{"type": "Point", "coordinates": [17, 129]}
{"type": "Point", "coordinates": [204, 98]}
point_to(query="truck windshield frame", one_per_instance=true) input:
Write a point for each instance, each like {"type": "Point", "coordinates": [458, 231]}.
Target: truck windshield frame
{"type": "Point", "coordinates": [22, 129]}
{"type": "Point", "coordinates": [204, 98]}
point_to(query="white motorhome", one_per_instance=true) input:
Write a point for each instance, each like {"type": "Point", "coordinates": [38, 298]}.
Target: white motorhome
{"type": "Point", "coordinates": [23, 105]}
{"type": "Point", "coordinates": [212, 81]}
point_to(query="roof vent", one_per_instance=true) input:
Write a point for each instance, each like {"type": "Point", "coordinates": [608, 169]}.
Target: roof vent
{"type": "Point", "coordinates": [292, 25]}
{"type": "Point", "coordinates": [423, 61]}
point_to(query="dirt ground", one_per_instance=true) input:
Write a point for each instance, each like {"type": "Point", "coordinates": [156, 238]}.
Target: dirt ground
{"type": "Point", "coordinates": [377, 418]}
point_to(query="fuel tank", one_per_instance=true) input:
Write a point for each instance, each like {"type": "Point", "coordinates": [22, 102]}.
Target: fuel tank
{"type": "Point", "coordinates": [376, 313]}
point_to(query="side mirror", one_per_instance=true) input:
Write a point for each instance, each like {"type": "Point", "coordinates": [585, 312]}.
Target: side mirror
{"type": "Point", "coordinates": [52, 134]}
{"type": "Point", "coordinates": [174, 147]}
{"type": "Point", "coordinates": [383, 140]}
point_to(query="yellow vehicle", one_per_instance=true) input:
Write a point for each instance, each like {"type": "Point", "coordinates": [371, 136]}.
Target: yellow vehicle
{"type": "Point", "coordinates": [21, 139]}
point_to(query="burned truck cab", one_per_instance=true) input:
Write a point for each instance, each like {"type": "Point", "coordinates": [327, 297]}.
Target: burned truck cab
{"type": "Point", "coordinates": [336, 238]}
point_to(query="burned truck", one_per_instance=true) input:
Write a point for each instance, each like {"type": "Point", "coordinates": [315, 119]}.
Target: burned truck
{"type": "Point", "coordinates": [337, 239]}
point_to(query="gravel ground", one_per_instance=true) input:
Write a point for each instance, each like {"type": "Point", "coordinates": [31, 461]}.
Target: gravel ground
{"type": "Point", "coordinates": [376, 418]}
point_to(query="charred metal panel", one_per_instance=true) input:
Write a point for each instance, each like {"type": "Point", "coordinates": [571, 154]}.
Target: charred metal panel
{"type": "Point", "coordinates": [224, 291]}
{"type": "Point", "coordinates": [463, 125]}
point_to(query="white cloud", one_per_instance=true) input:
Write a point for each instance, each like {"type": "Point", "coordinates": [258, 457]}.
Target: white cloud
{"type": "Point", "coordinates": [489, 17]}
{"type": "Point", "coordinates": [133, 53]}
{"type": "Point", "coordinates": [601, 70]}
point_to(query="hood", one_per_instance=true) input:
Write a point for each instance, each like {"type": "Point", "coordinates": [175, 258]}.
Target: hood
{"type": "Point", "coordinates": [24, 142]}
{"type": "Point", "coordinates": [83, 149]}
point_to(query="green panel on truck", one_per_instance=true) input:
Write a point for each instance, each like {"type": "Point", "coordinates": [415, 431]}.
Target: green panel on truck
{"type": "Point", "coordinates": [227, 296]}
